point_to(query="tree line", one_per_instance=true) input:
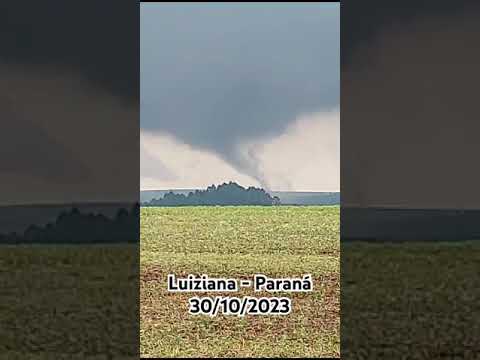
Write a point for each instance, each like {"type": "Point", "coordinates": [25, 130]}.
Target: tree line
{"type": "Point", "coordinates": [225, 194]}
{"type": "Point", "coordinates": [76, 227]}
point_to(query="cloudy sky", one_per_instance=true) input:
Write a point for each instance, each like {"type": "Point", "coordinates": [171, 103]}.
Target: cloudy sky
{"type": "Point", "coordinates": [409, 105]}
{"type": "Point", "coordinates": [69, 103]}
{"type": "Point", "coordinates": [242, 92]}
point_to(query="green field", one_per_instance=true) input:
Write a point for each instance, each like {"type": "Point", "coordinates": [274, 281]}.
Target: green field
{"type": "Point", "coordinates": [68, 301]}
{"type": "Point", "coordinates": [239, 242]}
{"type": "Point", "coordinates": [410, 300]}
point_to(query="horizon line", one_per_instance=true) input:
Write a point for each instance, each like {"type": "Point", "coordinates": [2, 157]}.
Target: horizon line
{"type": "Point", "coordinates": [268, 190]}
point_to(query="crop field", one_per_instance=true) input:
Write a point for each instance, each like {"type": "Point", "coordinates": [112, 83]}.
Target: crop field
{"type": "Point", "coordinates": [239, 242]}
{"type": "Point", "coordinates": [68, 302]}
{"type": "Point", "coordinates": [419, 298]}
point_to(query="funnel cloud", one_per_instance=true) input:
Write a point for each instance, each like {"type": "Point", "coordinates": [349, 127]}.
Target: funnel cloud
{"type": "Point", "coordinates": [220, 76]}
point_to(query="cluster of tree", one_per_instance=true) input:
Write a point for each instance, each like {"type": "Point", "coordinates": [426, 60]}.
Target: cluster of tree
{"type": "Point", "coordinates": [77, 227]}
{"type": "Point", "coordinates": [225, 194]}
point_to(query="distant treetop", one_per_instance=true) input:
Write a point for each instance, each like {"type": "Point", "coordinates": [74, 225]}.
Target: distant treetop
{"type": "Point", "coordinates": [225, 194]}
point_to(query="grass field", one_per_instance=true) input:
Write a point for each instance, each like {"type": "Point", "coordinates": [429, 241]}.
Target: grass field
{"type": "Point", "coordinates": [69, 301]}
{"type": "Point", "coordinates": [239, 242]}
{"type": "Point", "coordinates": [410, 300]}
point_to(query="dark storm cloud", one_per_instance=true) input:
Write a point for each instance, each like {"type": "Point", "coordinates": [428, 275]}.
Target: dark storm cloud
{"type": "Point", "coordinates": [409, 110]}
{"type": "Point", "coordinates": [64, 66]}
{"type": "Point", "coordinates": [214, 75]}
{"type": "Point", "coordinates": [20, 153]}
{"type": "Point", "coordinates": [99, 40]}
{"type": "Point", "coordinates": [361, 25]}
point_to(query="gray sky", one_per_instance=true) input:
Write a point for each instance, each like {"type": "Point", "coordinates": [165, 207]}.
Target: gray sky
{"type": "Point", "coordinates": [69, 103]}
{"type": "Point", "coordinates": [410, 129]}
{"type": "Point", "coordinates": [243, 92]}
{"type": "Point", "coordinates": [46, 158]}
